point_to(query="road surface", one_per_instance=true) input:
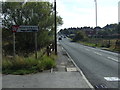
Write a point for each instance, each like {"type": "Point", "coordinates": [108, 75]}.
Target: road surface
{"type": "Point", "coordinates": [99, 66]}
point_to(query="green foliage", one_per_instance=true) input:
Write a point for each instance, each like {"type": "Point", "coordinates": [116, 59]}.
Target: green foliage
{"type": "Point", "coordinates": [104, 44]}
{"type": "Point", "coordinates": [46, 63]}
{"type": "Point", "coordinates": [6, 64]}
{"type": "Point", "coordinates": [19, 72]}
{"type": "Point", "coordinates": [88, 44]}
{"type": "Point", "coordinates": [19, 63]}
{"type": "Point", "coordinates": [80, 36]}
{"type": "Point", "coordinates": [31, 13]}
{"type": "Point", "coordinates": [23, 65]}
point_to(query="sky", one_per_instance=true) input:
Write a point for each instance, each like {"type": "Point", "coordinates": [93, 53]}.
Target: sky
{"type": "Point", "coordinates": [80, 13]}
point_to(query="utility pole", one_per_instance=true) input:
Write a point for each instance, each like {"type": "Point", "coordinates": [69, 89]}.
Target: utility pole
{"type": "Point", "coordinates": [35, 45]}
{"type": "Point", "coordinates": [55, 27]}
{"type": "Point", "coordinates": [96, 18]}
{"type": "Point", "coordinates": [96, 11]}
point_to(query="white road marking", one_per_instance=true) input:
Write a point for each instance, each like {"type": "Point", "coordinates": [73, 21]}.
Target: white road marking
{"type": "Point", "coordinates": [112, 59]}
{"type": "Point", "coordinates": [90, 85]}
{"type": "Point", "coordinates": [112, 78]}
{"type": "Point", "coordinates": [98, 53]}
{"type": "Point", "coordinates": [110, 52]}
{"type": "Point", "coordinates": [92, 48]}
{"type": "Point", "coordinates": [87, 49]}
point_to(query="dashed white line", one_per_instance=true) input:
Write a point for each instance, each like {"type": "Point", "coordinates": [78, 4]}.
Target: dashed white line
{"type": "Point", "coordinates": [98, 53]}
{"type": "Point", "coordinates": [109, 52]}
{"type": "Point", "coordinates": [84, 46]}
{"type": "Point", "coordinates": [112, 59]}
{"type": "Point", "coordinates": [87, 49]}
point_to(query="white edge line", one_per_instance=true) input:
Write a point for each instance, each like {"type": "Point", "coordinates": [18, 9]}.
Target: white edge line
{"type": "Point", "coordinates": [89, 84]}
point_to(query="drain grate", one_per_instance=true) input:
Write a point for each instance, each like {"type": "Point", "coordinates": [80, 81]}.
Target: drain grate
{"type": "Point", "coordinates": [100, 86]}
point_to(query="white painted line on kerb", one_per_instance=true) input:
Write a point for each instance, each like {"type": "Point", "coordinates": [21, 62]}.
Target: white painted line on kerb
{"type": "Point", "coordinates": [98, 53]}
{"type": "Point", "coordinates": [112, 59]}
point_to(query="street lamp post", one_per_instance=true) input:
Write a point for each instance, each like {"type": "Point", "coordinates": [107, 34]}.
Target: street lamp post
{"type": "Point", "coordinates": [55, 28]}
{"type": "Point", "coordinates": [96, 11]}
{"type": "Point", "coordinates": [96, 18]}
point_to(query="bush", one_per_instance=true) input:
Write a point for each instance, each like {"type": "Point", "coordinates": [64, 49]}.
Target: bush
{"type": "Point", "coordinates": [23, 65]}
{"type": "Point", "coordinates": [46, 63]}
{"type": "Point", "coordinates": [80, 36]}
{"type": "Point", "coordinates": [6, 64]}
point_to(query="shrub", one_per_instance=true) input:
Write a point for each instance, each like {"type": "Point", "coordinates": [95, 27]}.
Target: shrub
{"type": "Point", "coordinates": [80, 36]}
{"type": "Point", "coordinates": [46, 63]}
{"type": "Point", "coordinates": [23, 65]}
{"type": "Point", "coordinates": [7, 64]}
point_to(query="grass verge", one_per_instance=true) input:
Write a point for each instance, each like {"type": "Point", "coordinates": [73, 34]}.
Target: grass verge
{"type": "Point", "coordinates": [103, 45]}
{"type": "Point", "coordinates": [21, 65]}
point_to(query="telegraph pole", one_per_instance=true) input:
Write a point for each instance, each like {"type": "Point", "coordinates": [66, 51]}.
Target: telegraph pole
{"type": "Point", "coordinates": [96, 18]}
{"type": "Point", "coordinates": [96, 11]}
{"type": "Point", "coordinates": [55, 27]}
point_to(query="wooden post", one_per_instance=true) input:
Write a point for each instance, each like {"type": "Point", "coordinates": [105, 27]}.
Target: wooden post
{"type": "Point", "coordinates": [14, 44]}
{"type": "Point", "coordinates": [55, 28]}
{"type": "Point", "coordinates": [35, 45]}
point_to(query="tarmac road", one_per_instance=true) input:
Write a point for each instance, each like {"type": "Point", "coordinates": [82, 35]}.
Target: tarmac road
{"type": "Point", "coordinates": [99, 66]}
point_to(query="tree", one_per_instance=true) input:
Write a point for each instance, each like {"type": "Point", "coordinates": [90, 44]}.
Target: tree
{"type": "Point", "coordinates": [30, 13]}
{"type": "Point", "coordinates": [80, 36]}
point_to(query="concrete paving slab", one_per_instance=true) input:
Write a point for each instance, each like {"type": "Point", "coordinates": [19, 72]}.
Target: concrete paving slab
{"type": "Point", "coordinates": [73, 69]}
{"type": "Point", "coordinates": [45, 80]}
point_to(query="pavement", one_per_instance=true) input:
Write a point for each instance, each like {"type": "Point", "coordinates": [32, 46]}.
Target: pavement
{"type": "Point", "coordinates": [65, 75]}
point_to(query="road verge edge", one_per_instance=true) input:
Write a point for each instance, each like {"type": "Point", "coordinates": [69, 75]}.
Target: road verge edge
{"type": "Point", "coordinates": [79, 70]}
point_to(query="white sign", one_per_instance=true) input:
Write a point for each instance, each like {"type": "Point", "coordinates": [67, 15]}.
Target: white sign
{"type": "Point", "coordinates": [23, 28]}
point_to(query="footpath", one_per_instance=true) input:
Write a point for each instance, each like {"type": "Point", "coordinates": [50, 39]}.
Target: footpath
{"type": "Point", "coordinates": [65, 75]}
